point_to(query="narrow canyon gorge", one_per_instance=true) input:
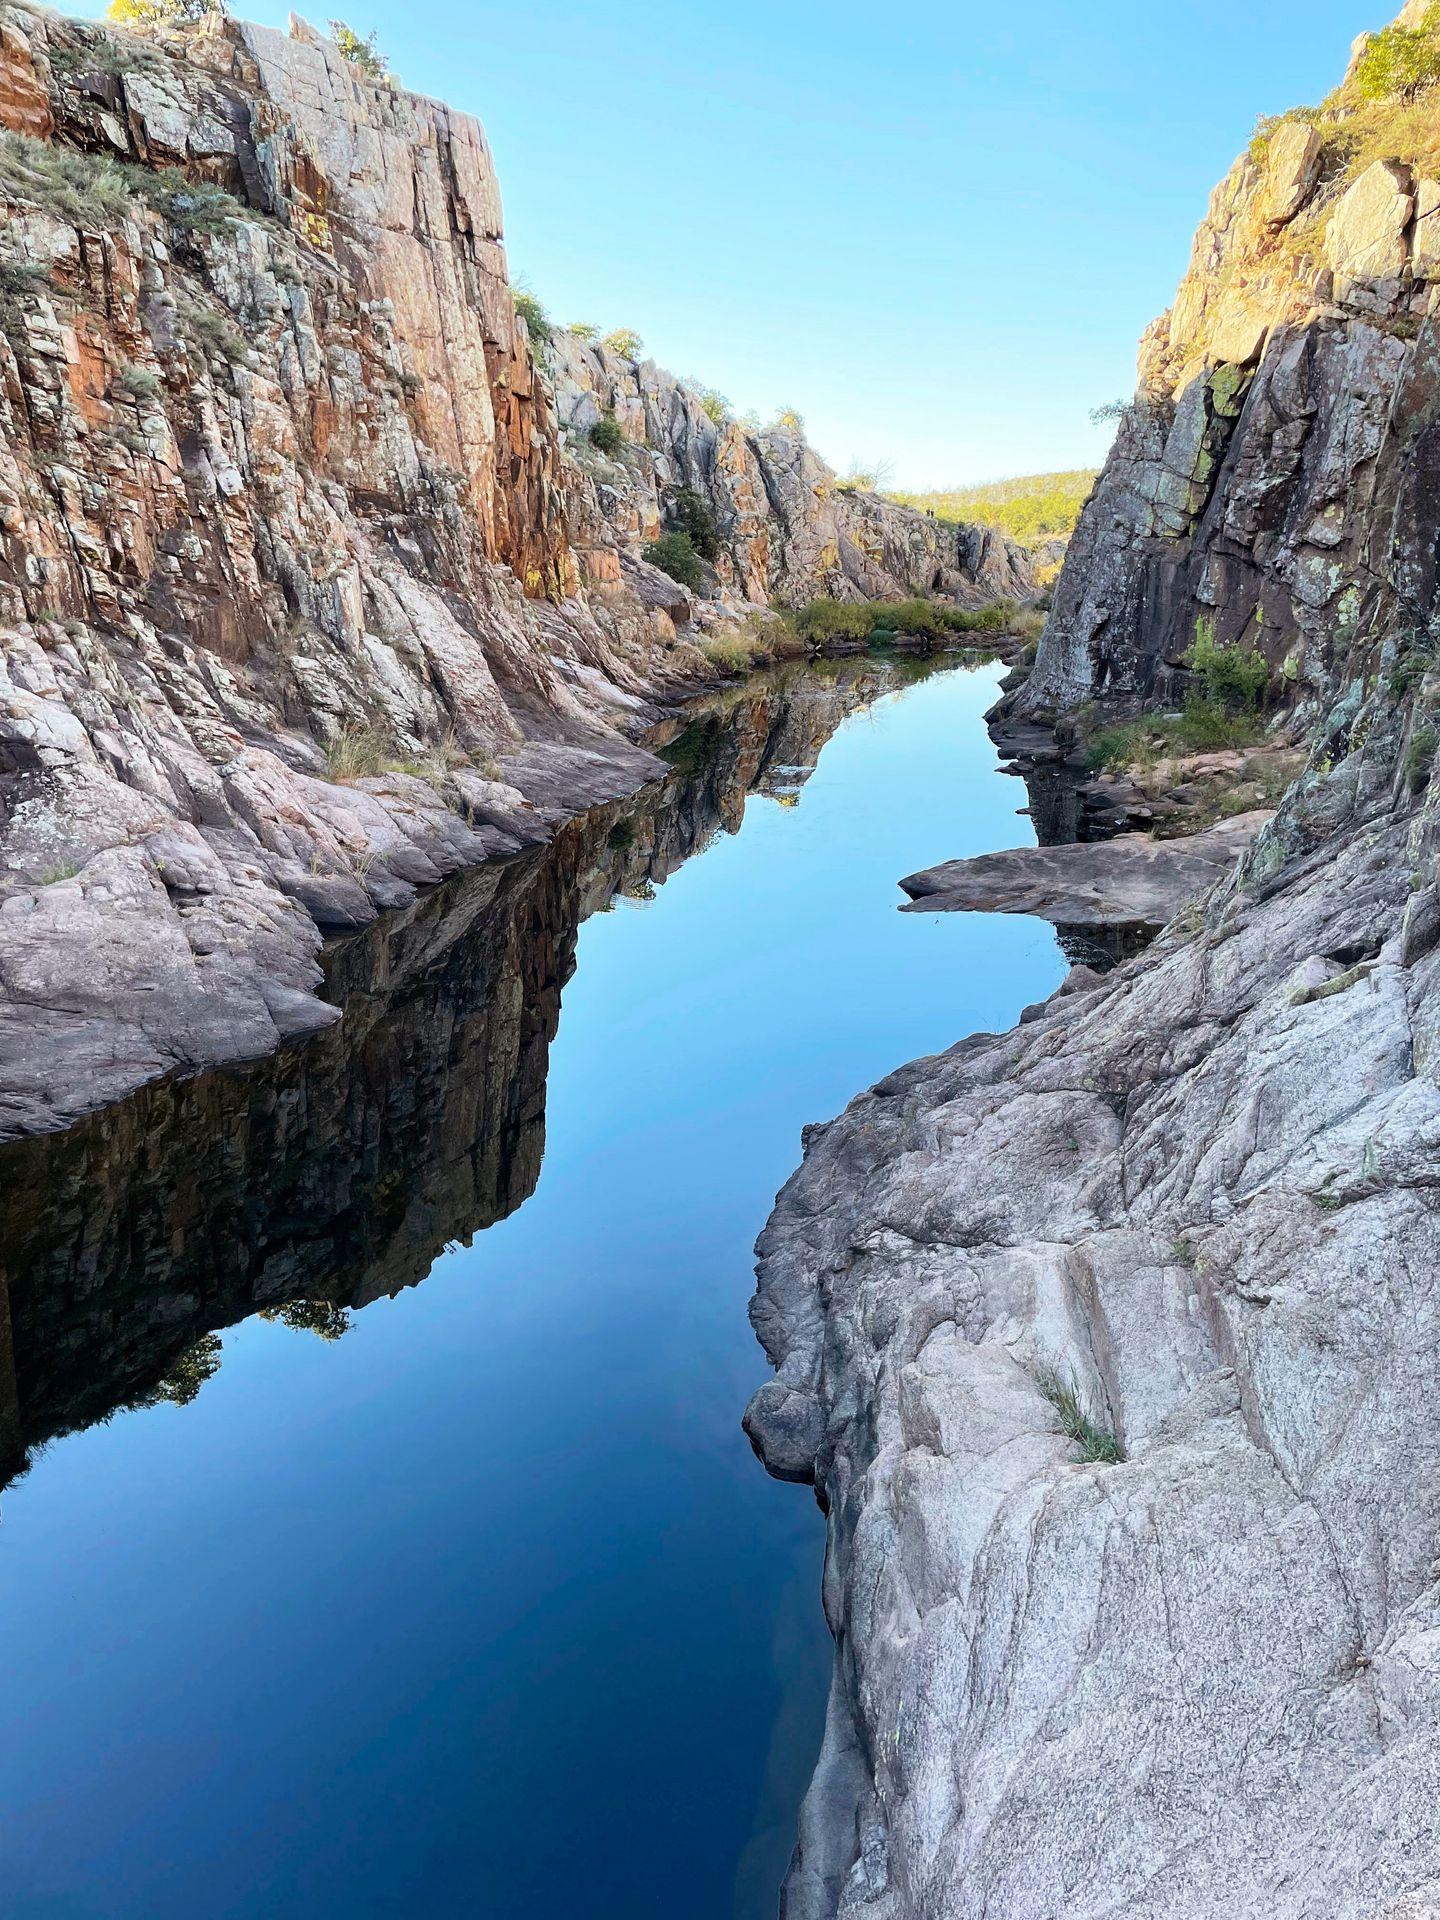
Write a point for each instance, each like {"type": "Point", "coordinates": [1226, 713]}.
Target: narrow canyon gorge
{"type": "Point", "coordinates": [341, 685]}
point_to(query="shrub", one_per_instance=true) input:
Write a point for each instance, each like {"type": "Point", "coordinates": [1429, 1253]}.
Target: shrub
{"type": "Point", "coordinates": [529, 309]}
{"type": "Point", "coordinates": [1400, 62]}
{"type": "Point", "coordinates": [194, 206]}
{"type": "Point", "coordinates": [674, 553]}
{"type": "Point", "coordinates": [360, 53]}
{"type": "Point", "coordinates": [1234, 676]}
{"type": "Point", "coordinates": [789, 420]}
{"type": "Point", "coordinates": [694, 517]}
{"type": "Point", "coordinates": [823, 621]}
{"type": "Point", "coordinates": [139, 382]}
{"type": "Point", "coordinates": [20, 282]}
{"type": "Point", "coordinates": [583, 330]}
{"type": "Point", "coordinates": [160, 13]}
{"type": "Point", "coordinates": [714, 405]}
{"type": "Point", "coordinates": [213, 334]}
{"type": "Point", "coordinates": [625, 342]}
{"type": "Point", "coordinates": [606, 434]}
{"type": "Point", "coordinates": [1096, 1443]}
{"type": "Point", "coordinates": [1206, 725]}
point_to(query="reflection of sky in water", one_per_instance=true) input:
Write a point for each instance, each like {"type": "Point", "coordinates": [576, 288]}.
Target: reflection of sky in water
{"type": "Point", "coordinates": [487, 1608]}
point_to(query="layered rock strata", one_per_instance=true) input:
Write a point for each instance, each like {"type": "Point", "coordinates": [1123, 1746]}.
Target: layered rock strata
{"type": "Point", "coordinates": [304, 603]}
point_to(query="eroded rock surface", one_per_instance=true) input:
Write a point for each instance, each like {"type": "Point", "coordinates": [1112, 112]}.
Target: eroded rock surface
{"type": "Point", "coordinates": [304, 602]}
{"type": "Point", "coordinates": [1204, 1680]}
{"type": "Point", "coordinates": [1130, 880]}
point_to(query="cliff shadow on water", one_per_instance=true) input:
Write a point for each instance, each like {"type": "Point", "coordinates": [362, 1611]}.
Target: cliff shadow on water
{"type": "Point", "coordinates": [337, 1171]}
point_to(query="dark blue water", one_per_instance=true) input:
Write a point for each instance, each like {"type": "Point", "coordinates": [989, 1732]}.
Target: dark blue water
{"type": "Point", "coordinates": [486, 1608]}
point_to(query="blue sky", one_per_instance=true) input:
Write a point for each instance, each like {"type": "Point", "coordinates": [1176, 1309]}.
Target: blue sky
{"type": "Point", "coordinates": [936, 230]}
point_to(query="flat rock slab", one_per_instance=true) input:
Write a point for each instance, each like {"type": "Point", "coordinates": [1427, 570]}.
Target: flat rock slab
{"type": "Point", "coordinates": [1128, 881]}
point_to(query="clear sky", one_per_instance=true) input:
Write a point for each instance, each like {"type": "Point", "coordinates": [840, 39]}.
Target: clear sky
{"type": "Point", "coordinates": [935, 229]}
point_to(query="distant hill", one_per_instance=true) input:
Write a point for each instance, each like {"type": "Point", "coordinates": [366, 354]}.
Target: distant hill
{"type": "Point", "coordinates": [1034, 507]}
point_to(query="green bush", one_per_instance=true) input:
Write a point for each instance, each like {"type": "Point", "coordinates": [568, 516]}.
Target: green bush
{"type": "Point", "coordinates": [606, 434]}
{"type": "Point", "coordinates": [194, 206]}
{"type": "Point", "coordinates": [694, 517]}
{"type": "Point", "coordinates": [823, 621]}
{"type": "Point", "coordinates": [1400, 62]}
{"type": "Point", "coordinates": [674, 553]}
{"type": "Point", "coordinates": [214, 334]}
{"type": "Point", "coordinates": [625, 342]}
{"type": "Point", "coordinates": [529, 309]}
{"type": "Point", "coordinates": [1234, 676]}
{"type": "Point", "coordinates": [360, 53]}
{"type": "Point", "coordinates": [715, 406]}
{"type": "Point", "coordinates": [583, 330]}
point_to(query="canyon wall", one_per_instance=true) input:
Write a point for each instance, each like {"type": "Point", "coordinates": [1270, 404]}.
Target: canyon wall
{"type": "Point", "coordinates": [305, 601]}
{"type": "Point", "coordinates": [786, 528]}
{"type": "Point", "coordinates": [1109, 1344]}
{"type": "Point", "coordinates": [1276, 473]}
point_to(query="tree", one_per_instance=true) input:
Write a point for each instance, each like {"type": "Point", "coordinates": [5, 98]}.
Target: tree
{"type": "Point", "coordinates": [583, 330]}
{"type": "Point", "coordinates": [674, 553]}
{"type": "Point", "coordinates": [1400, 62]}
{"type": "Point", "coordinates": [360, 53]}
{"type": "Point", "coordinates": [625, 342]}
{"type": "Point", "coordinates": [146, 15]}
{"type": "Point", "coordinates": [790, 420]}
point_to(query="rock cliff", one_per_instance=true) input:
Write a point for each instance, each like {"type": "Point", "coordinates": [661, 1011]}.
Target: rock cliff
{"type": "Point", "coordinates": [304, 601]}
{"type": "Point", "coordinates": [786, 530]}
{"type": "Point", "coordinates": [1109, 1343]}
{"type": "Point", "coordinates": [1277, 470]}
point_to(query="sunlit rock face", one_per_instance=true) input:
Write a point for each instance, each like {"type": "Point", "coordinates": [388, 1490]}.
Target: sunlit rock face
{"type": "Point", "coordinates": [305, 602]}
{"type": "Point", "coordinates": [786, 529]}
{"type": "Point", "coordinates": [1278, 471]}
{"type": "Point", "coordinates": [337, 1171]}
{"type": "Point", "coordinates": [292, 622]}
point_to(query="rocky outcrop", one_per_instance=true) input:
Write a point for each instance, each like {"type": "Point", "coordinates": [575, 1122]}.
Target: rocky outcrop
{"type": "Point", "coordinates": [304, 602]}
{"type": "Point", "coordinates": [1277, 471]}
{"type": "Point", "coordinates": [290, 570]}
{"type": "Point", "coordinates": [1133, 880]}
{"type": "Point", "coordinates": [1107, 1343]}
{"type": "Point", "coordinates": [786, 530]}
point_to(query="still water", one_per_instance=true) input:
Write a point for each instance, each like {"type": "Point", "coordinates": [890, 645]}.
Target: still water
{"type": "Point", "coordinates": [477, 1603]}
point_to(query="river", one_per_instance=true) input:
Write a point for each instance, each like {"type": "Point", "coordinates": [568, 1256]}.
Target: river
{"type": "Point", "coordinates": [388, 1544]}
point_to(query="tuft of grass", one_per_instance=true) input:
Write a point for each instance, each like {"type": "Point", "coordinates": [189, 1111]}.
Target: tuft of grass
{"type": "Point", "coordinates": [1420, 757]}
{"type": "Point", "coordinates": [356, 753]}
{"type": "Point", "coordinates": [141, 383]}
{"type": "Point", "coordinates": [64, 870]}
{"type": "Point", "coordinates": [731, 652]}
{"type": "Point", "coordinates": [1096, 1443]}
{"type": "Point", "coordinates": [213, 335]}
{"type": "Point", "coordinates": [87, 190]}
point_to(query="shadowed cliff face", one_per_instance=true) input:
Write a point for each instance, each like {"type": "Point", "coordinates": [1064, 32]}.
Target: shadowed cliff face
{"type": "Point", "coordinates": [338, 1171]}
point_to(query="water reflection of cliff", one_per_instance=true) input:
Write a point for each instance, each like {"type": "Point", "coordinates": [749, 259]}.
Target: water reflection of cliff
{"type": "Point", "coordinates": [338, 1171]}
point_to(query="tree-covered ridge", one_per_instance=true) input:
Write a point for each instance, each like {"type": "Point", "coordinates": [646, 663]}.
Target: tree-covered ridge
{"type": "Point", "coordinates": [1031, 507]}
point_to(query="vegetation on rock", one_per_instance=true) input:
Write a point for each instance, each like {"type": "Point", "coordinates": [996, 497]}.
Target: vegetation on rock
{"type": "Point", "coordinates": [1033, 507]}
{"type": "Point", "coordinates": [824, 622]}
{"type": "Point", "coordinates": [606, 436]}
{"type": "Point", "coordinates": [674, 553]}
{"type": "Point", "coordinates": [625, 342]}
{"type": "Point", "coordinates": [360, 53]}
